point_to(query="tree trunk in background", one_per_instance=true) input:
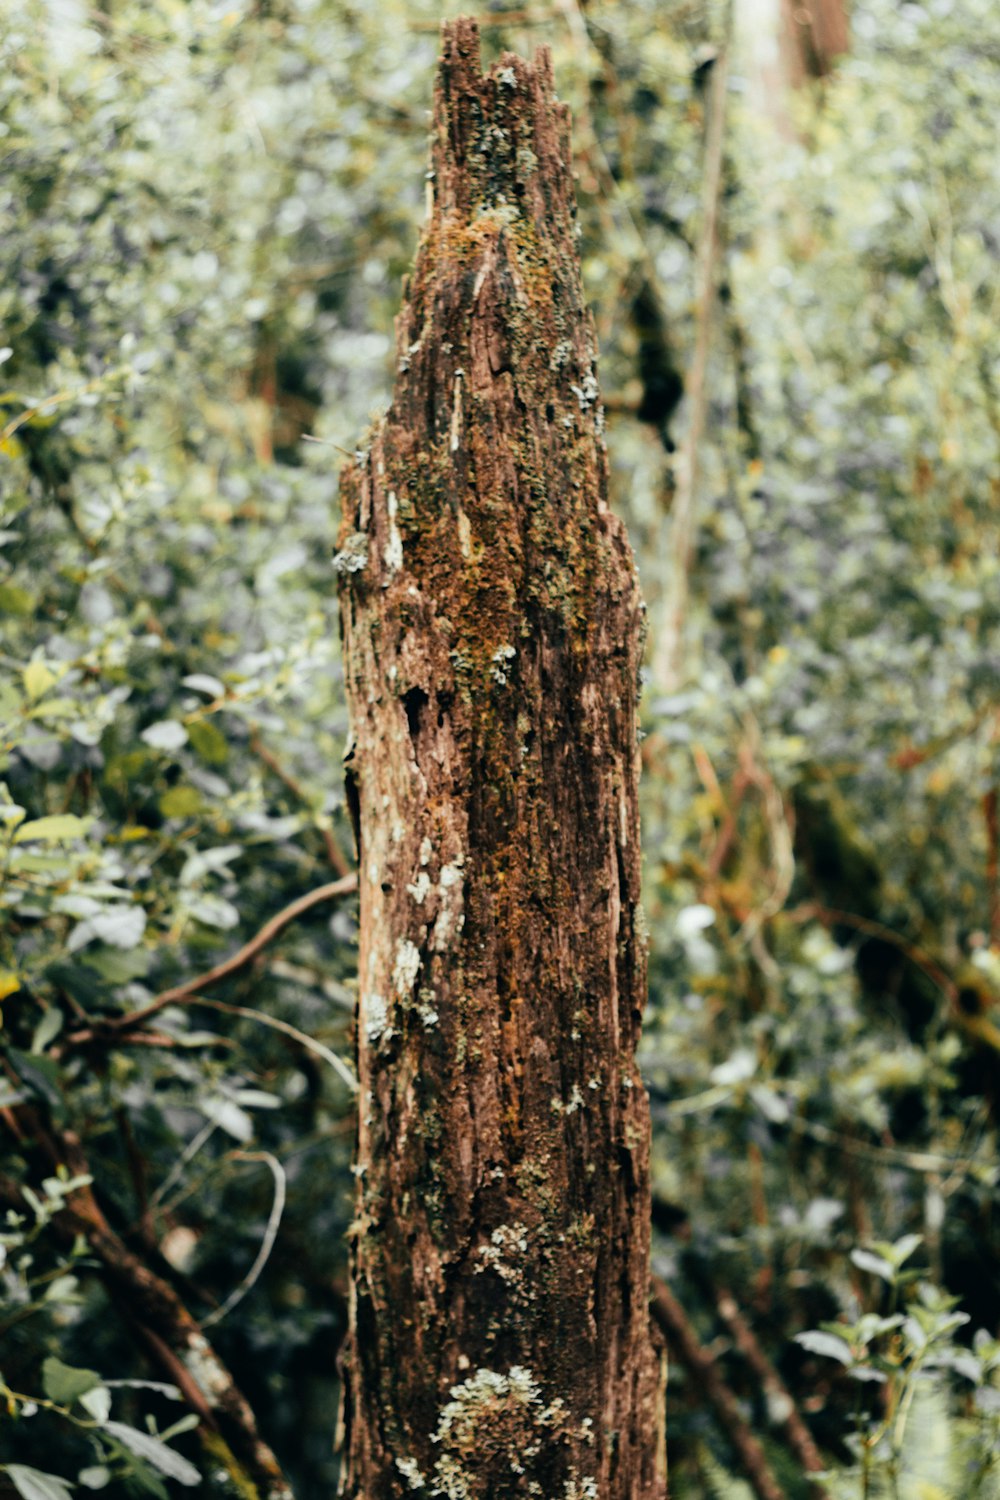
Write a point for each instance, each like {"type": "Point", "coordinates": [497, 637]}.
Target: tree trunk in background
{"type": "Point", "coordinates": [500, 1343]}
{"type": "Point", "coordinates": [815, 34]}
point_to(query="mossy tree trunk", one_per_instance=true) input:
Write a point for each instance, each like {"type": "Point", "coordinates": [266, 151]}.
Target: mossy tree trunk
{"type": "Point", "coordinates": [500, 1343]}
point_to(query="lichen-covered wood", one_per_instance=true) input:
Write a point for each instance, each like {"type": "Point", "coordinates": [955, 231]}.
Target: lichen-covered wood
{"type": "Point", "coordinates": [500, 1343]}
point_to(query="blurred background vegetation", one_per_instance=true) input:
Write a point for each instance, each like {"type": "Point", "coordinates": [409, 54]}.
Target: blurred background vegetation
{"type": "Point", "coordinates": [207, 210]}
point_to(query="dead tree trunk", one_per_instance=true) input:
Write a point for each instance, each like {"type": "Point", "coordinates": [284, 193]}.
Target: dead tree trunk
{"type": "Point", "coordinates": [500, 1342]}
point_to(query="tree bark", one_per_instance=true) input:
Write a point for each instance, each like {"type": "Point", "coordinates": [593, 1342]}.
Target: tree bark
{"type": "Point", "coordinates": [816, 34]}
{"type": "Point", "coordinates": [500, 1341]}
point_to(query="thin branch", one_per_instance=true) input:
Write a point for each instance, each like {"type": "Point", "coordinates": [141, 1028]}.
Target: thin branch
{"type": "Point", "coordinates": [190, 1151]}
{"type": "Point", "coordinates": [686, 493]}
{"type": "Point", "coordinates": [238, 960]}
{"type": "Point", "coordinates": [674, 1322]}
{"type": "Point", "coordinates": [992, 819]}
{"type": "Point", "coordinates": [270, 1234]}
{"type": "Point", "coordinates": [146, 1299]}
{"type": "Point", "coordinates": [895, 1156]}
{"type": "Point", "coordinates": [310, 1043]}
{"type": "Point", "coordinates": [779, 1399]}
{"type": "Point", "coordinates": [334, 853]}
{"type": "Point", "coordinates": [60, 398]}
{"type": "Point", "coordinates": [833, 915]}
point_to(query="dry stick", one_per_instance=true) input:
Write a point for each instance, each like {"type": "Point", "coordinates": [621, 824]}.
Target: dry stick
{"type": "Point", "coordinates": [979, 1027]}
{"type": "Point", "coordinates": [334, 853]}
{"type": "Point", "coordinates": [685, 495]}
{"type": "Point", "coordinates": [308, 1043]}
{"type": "Point", "coordinates": [673, 1320]}
{"type": "Point", "coordinates": [871, 928]}
{"type": "Point", "coordinates": [800, 1439]}
{"type": "Point", "coordinates": [992, 817]}
{"type": "Point", "coordinates": [151, 1302]}
{"type": "Point", "coordinates": [238, 960]}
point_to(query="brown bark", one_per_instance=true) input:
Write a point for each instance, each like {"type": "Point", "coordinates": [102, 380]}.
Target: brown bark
{"type": "Point", "coordinates": [500, 1342]}
{"type": "Point", "coordinates": [815, 34]}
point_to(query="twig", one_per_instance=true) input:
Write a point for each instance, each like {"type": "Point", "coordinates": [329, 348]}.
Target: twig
{"type": "Point", "coordinates": [238, 960]}
{"type": "Point", "coordinates": [686, 493]}
{"type": "Point", "coordinates": [833, 915]}
{"type": "Point", "coordinates": [990, 814]}
{"type": "Point", "coordinates": [270, 1234]}
{"type": "Point", "coordinates": [190, 1151]}
{"type": "Point", "coordinates": [333, 851]}
{"type": "Point", "coordinates": [779, 1398]}
{"type": "Point", "coordinates": [153, 1303]}
{"type": "Point", "coordinates": [913, 1161]}
{"type": "Point", "coordinates": [60, 399]}
{"type": "Point", "coordinates": [674, 1322]}
{"type": "Point", "coordinates": [304, 1040]}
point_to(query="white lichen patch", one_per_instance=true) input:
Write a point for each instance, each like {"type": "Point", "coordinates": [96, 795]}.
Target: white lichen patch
{"type": "Point", "coordinates": [494, 1426]}
{"type": "Point", "coordinates": [426, 1008]}
{"type": "Point", "coordinates": [506, 1242]}
{"type": "Point", "coordinates": [507, 77]}
{"type": "Point", "coordinates": [527, 161]}
{"type": "Point", "coordinates": [587, 393]}
{"type": "Point", "coordinates": [450, 917]}
{"type": "Point", "coordinates": [426, 850]}
{"type": "Point", "coordinates": [353, 556]}
{"type": "Point", "coordinates": [405, 359]}
{"type": "Point", "coordinates": [376, 1014]}
{"type": "Point", "coordinates": [419, 887]}
{"type": "Point", "coordinates": [208, 1374]}
{"type": "Point", "coordinates": [501, 659]}
{"type": "Point", "coordinates": [410, 1470]}
{"type": "Point", "coordinates": [406, 967]}
{"type": "Point", "coordinates": [560, 354]}
{"type": "Point", "coordinates": [392, 552]}
{"type": "Point", "coordinates": [567, 1106]}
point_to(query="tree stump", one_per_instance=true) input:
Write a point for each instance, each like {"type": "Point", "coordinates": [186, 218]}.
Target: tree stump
{"type": "Point", "coordinates": [491, 621]}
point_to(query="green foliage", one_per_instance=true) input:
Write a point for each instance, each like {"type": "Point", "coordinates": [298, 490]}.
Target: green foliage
{"type": "Point", "coordinates": [207, 215]}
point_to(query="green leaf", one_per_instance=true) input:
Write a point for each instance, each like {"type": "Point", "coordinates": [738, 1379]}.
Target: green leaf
{"type": "Point", "coordinates": [229, 1117]}
{"type": "Point", "coordinates": [38, 678]}
{"type": "Point", "coordinates": [825, 1343]}
{"type": "Point", "coordinates": [47, 1030]}
{"type": "Point", "coordinates": [209, 743]}
{"type": "Point", "coordinates": [64, 1289]}
{"type": "Point", "coordinates": [97, 1402]}
{"type": "Point", "coordinates": [60, 829]}
{"type": "Point", "coordinates": [865, 1260]}
{"type": "Point", "coordinates": [166, 734]}
{"type": "Point", "coordinates": [181, 802]}
{"type": "Point", "coordinates": [214, 911]}
{"type": "Point", "coordinates": [201, 682]}
{"type": "Point", "coordinates": [65, 1384]}
{"type": "Point", "coordinates": [15, 600]}
{"type": "Point", "coordinates": [9, 983]}
{"type": "Point", "coordinates": [94, 1478]}
{"type": "Point", "coordinates": [172, 1464]}
{"type": "Point", "coordinates": [40, 1074]}
{"type": "Point", "coordinates": [119, 926]}
{"type": "Point", "coordinates": [32, 1484]}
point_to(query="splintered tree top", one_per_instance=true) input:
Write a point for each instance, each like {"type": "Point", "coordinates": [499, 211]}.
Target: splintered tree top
{"type": "Point", "coordinates": [496, 397]}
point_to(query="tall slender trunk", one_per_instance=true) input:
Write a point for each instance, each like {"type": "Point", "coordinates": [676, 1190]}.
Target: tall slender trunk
{"type": "Point", "coordinates": [500, 1342]}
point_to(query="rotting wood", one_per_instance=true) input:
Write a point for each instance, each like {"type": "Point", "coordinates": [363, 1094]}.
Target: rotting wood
{"type": "Point", "coordinates": [500, 1341]}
